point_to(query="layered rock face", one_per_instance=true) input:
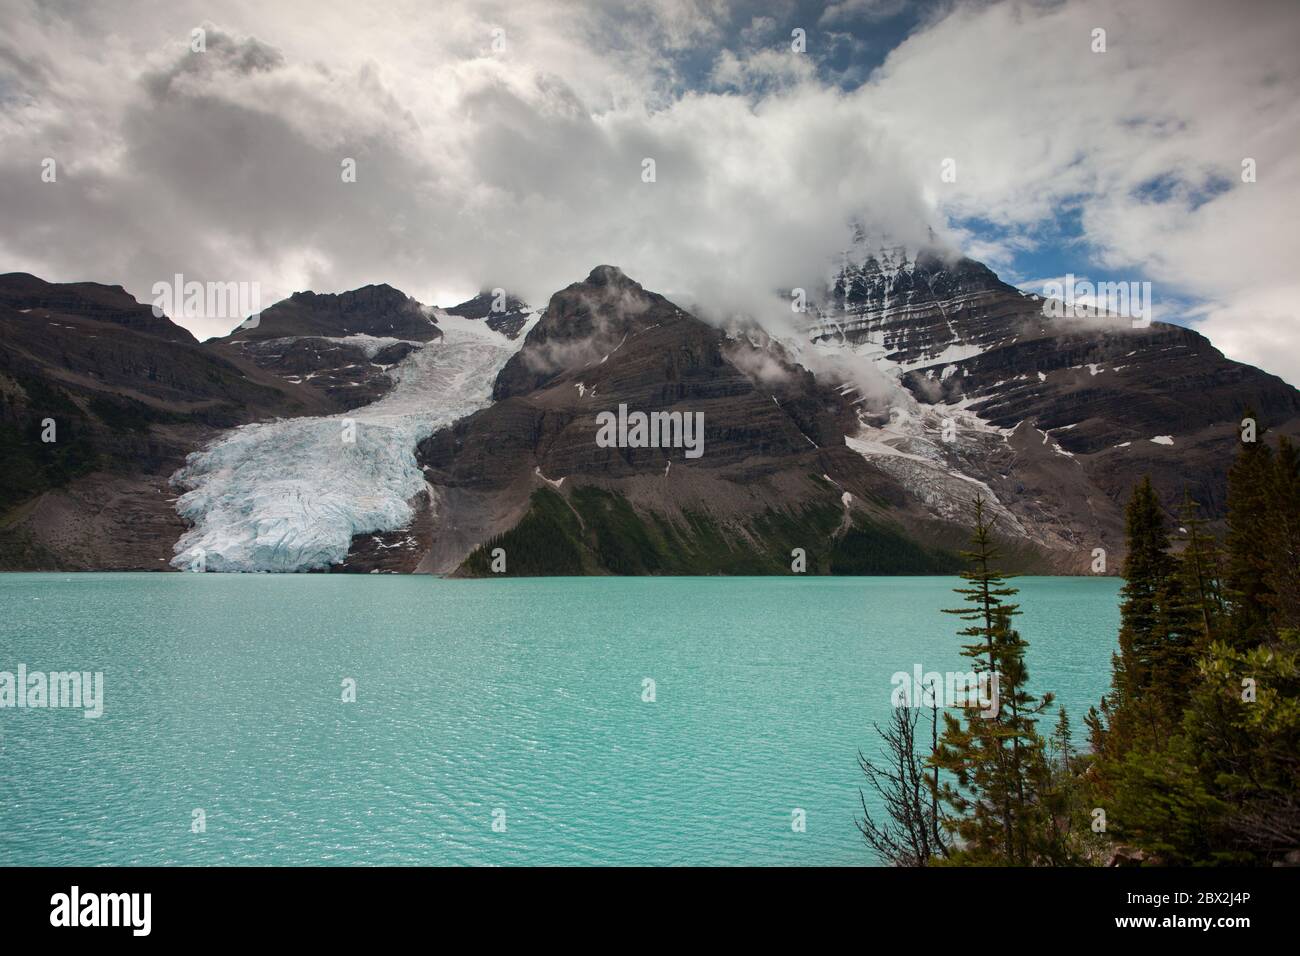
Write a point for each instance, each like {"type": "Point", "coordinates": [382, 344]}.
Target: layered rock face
{"type": "Point", "coordinates": [773, 452]}
{"type": "Point", "coordinates": [375, 310]}
{"type": "Point", "coordinates": [348, 346]}
{"type": "Point", "coordinates": [923, 381]}
{"type": "Point", "coordinates": [1111, 401]}
{"type": "Point", "coordinates": [102, 303]}
{"type": "Point", "coordinates": [916, 311]}
{"type": "Point", "coordinates": [503, 312]}
{"type": "Point", "coordinates": [607, 342]}
{"type": "Point", "coordinates": [973, 390]}
{"type": "Point", "coordinates": [343, 345]}
{"type": "Point", "coordinates": [101, 402]}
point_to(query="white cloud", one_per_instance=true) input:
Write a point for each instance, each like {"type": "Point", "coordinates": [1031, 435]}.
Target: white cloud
{"type": "Point", "coordinates": [523, 167]}
{"type": "Point", "coordinates": [846, 11]}
{"type": "Point", "coordinates": [1036, 121]}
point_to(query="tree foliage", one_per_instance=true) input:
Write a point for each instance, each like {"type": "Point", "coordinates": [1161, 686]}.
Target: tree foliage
{"type": "Point", "coordinates": [1193, 754]}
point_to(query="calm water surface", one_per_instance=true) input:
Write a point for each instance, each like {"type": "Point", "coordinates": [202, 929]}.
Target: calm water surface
{"type": "Point", "coordinates": [223, 692]}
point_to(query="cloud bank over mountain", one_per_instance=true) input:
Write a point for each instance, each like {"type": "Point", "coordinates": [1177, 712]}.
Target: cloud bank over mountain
{"type": "Point", "coordinates": [504, 145]}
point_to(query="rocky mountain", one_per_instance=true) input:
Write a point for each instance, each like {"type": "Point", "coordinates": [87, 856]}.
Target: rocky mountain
{"type": "Point", "coordinates": [100, 401]}
{"type": "Point", "coordinates": [344, 345]}
{"type": "Point", "coordinates": [26, 294]}
{"type": "Point", "coordinates": [503, 312]}
{"type": "Point", "coordinates": [1060, 417]}
{"type": "Point", "coordinates": [526, 474]}
{"type": "Point", "coordinates": [366, 432]}
{"type": "Point", "coordinates": [130, 395]}
{"type": "Point", "coordinates": [934, 381]}
{"type": "Point", "coordinates": [378, 311]}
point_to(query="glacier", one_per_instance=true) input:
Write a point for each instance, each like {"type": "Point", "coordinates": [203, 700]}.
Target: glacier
{"type": "Point", "coordinates": [289, 494]}
{"type": "Point", "coordinates": [941, 474]}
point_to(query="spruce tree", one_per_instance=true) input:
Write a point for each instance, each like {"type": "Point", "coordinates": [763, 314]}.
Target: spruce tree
{"type": "Point", "coordinates": [1062, 738]}
{"type": "Point", "coordinates": [986, 594]}
{"type": "Point", "coordinates": [1282, 541]}
{"type": "Point", "coordinates": [1248, 565]}
{"type": "Point", "coordinates": [1201, 573]}
{"type": "Point", "coordinates": [995, 759]}
{"type": "Point", "coordinates": [1211, 774]}
{"type": "Point", "coordinates": [1026, 764]}
{"type": "Point", "coordinates": [1147, 572]}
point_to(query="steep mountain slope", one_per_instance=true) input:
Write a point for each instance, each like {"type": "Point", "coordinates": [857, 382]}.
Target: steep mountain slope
{"type": "Point", "coordinates": [1059, 416]}
{"type": "Point", "coordinates": [344, 345]}
{"type": "Point", "coordinates": [132, 394]}
{"type": "Point", "coordinates": [103, 303]}
{"type": "Point", "coordinates": [375, 310]}
{"type": "Point", "coordinates": [503, 312]}
{"type": "Point", "coordinates": [99, 402]}
{"type": "Point", "coordinates": [301, 494]}
{"type": "Point", "coordinates": [774, 473]}
{"type": "Point", "coordinates": [366, 432]}
{"type": "Point", "coordinates": [934, 381]}
{"type": "Point", "coordinates": [915, 312]}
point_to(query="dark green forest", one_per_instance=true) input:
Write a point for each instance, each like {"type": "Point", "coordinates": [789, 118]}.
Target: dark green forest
{"type": "Point", "coordinates": [596, 531]}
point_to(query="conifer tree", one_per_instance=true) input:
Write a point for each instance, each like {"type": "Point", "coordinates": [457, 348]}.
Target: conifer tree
{"type": "Point", "coordinates": [1063, 738]}
{"type": "Point", "coordinates": [1147, 572]}
{"type": "Point", "coordinates": [1244, 726]}
{"type": "Point", "coordinates": [986, 594]}
{"type": "Point", "coordinates": [1018, 713]}
{"type": "Point", "coordinates": [995, 759]}
{"type": "Point", "coordinates": [1282, 541]}
{"type": "Point", "coordinates": [1218, 780]}
{"type": "Point", "coordinates": [1141, 768]}
{"type": "Point", "coordinates": [1247, 570]}
{"type": "Point", "coordinates": [1200, 568]}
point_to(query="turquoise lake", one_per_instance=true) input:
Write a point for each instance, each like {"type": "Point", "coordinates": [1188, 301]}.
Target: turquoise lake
{"type": "Point", "coordinates": [224, 693]}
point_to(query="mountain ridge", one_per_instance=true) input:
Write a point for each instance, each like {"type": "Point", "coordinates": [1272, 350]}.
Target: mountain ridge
{"type": "Point", "coordinates": [922, 379]}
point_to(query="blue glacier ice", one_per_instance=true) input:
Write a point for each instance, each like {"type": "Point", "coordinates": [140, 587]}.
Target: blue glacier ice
{"type": "Point", "coordinates": [288, 495]}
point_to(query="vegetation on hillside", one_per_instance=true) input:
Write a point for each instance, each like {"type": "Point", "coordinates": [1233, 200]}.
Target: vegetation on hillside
{"type": "Point", "coordinates": [596, 531]}
{"type": "Point", "coordinates": [1193, 755]}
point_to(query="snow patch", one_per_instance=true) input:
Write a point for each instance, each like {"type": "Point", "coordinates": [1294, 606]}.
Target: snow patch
{"type": "Point", "coordinates": [912, 449]}
{"type": "Point", "coordinates": [953, 352]}
{"type": "Point", "coordinates": [554, 484]}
